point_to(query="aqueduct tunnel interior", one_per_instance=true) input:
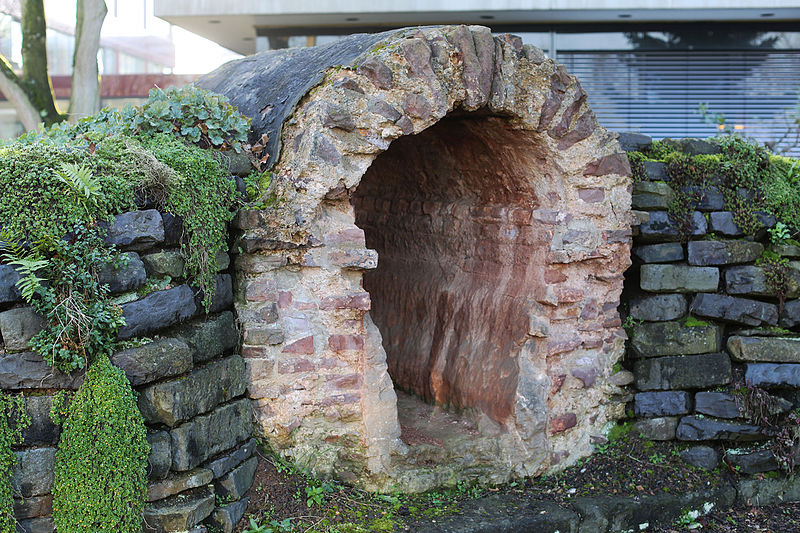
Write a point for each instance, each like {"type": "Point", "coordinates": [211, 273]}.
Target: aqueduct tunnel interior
{"type": "Point", "coordinates": [450, 213]}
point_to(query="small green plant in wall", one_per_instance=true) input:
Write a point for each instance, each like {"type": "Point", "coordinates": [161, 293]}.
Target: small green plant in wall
{"type": "Point", "coordinates": [13, 422]}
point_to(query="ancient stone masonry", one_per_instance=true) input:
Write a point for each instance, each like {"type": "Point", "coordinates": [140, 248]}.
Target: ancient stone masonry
{"type": "Point", "coordinates": [190, 380]}
{"type": "Point", "coordinates": [706, 323]}
{"type": "Point", "coordinates": [453, 226]}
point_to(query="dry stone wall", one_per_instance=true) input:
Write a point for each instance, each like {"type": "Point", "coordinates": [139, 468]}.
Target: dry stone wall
{"type": "Point", "coordinates": [190, 380]}
{"type": "Point", "coordinates": [705, 324]}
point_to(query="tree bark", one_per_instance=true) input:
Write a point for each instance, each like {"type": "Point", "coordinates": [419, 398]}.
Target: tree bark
{"type": "Point", "coordinates": [36, 79]}
{"type": "Point", "coordinates": [85, 95]}
{"type": "Point", "coordinates": [14, 91]}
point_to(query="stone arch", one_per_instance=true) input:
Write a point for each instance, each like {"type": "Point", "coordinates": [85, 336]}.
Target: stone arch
{"type": "Point", "coordinates": [502, 150]}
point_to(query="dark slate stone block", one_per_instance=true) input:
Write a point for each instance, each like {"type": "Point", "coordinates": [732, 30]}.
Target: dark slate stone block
{"type": "Point", "coordinates": [662, 428]}
{"type": "Point", "coordinates": [694, 428]}
{"type": "Point", "coordinates": [711, 253]}
{"type": "Point", "coordinates": [661, 227]}
{"type": "Point", "coordinates": [651, 195]}
{"type": "Point", "coordinates": [791, 314]}
{"type": "Point", "coordinates": [719, 404]}
{"type": "Point", "coordinates": [764, 349]}
{"type": "Point", "coordinates": [156, 360]}
{"type": "Point", "coordinates": [704, 457]}
{"type": "Point", "coordinates": [223, 295]}
{"type": "Point", "coordinates": [225, 518]}
{"type": "Point", "coordinates": [160, 459]}
{"type": "Point", "coordinates": [653, 339]}
{"type": "Point", "coordinates": [634, 142]}
{"type": "Point", "coordinates": [683, 372]}
{"type": "Point", "coordinates": [691, 146]}
{"type": "Point", "coordinates": [33, 473]}
{"type": "Point", "coordinates": [224, 464]}
{"type": "Point", "coordinates": [235, 483]}
{"type": "Point", "coordinates": [752, 462]}
{"type": "Point", "coordinates": [18, 326]}
{"type": "Point", "coordinates": [706, 198]}
{"type": "Point", "coordinates": [736, 310]}
{"type": "Point", "coordinates": [660, 253]}
{"type": "Point", "coordinates": [667, 403]}
{"type": "Point", "coordinates": [127, 278]}
{"type": "Point", "coordinates": [751, 280]}
{"type": "Point", "coordinates": [767, 375]}
{"type": "Point", "coordinates": [658, 307]}
{"type": "Point", "coordinates": [42, 524]}
{"type": "Point", "coordinates": [157, 311]}
{"type": "Point", "coordinates": [180, 512]}
{"type": "Point", "coordinates": [136, 230]}
{"type": "Point", "coordinates": [210, 337]}
{"type": "Point", "coordinates": [27, 370]}
{"type": "Point", "coordinates": [42, 429]}
{"type": "Point", "coordinates": [33, 507]}
{"type": "Point", "coordinates": [722, 223]}
{"type": "Point", "coordinates": [173, 229]}
{"type": "Point", "coordinates": [8, 285]}
{"type": "Point", "coordinates": [656, 171]}
{"type": "Point", "coordinates": [678, 278]}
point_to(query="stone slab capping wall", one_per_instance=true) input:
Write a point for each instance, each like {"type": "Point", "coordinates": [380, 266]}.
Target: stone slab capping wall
{"type": "Point", "coordinates": [453, 226]}
{"type": "Point", "coordinates": [189, 378]}
{"type": "Point", "coordinates": [705, 313]}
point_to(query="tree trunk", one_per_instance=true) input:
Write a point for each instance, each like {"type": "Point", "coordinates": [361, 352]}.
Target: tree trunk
{"type": "Point", "coordinates": [15, 92]}
{"type": "Point", "coordinates": [85, 95]}
{"type": "Point", "coordinates": [34, 61]}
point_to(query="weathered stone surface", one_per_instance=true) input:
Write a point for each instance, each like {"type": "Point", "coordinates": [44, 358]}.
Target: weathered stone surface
{"type": "Point", "coordinates": [42, 429]}
{"type": "Point", "coordinates": [621, 378]}
{"type": "Point", "coordinates": [786, 250]}
{"type": "Point", "coordinates": [18, 326]}
{"type": "Point", "coordinates": [179, 512]}
{"type": "Point", "coordinates": [664, 252]}
{"type": "Point", "coordinates": [691, 147]}
{"type": "Point", "coordinates": [207, 435]}
{"type": "Point", "coordinates": [173, 229]}
{"type": "Point", "coordinates": [765, 349]}
{"type": "Point", "coordinates": [179, 482]}
{"type": "Point", "coordinates": [667, 403]}
{"type": "Point", "coordinates": [160, 458]}
{"type": "Point", "coordinates": [791, 314]}
{"type": "Point", "coordinates": [630, 141]}
{"type": "Point", "coordinates": [736, 310]}
{"type": "Point", "coordinates": [236, 163]}
{"type": "Point", "coordinates": [752, 462]}
{"type": "Point", "coordinates": [156, 360]}
{"type": "Point", "coordinates": [224, 464]}
{"type": "Point", "coordinates": [656, 171]}
{"type": "Point", "coordinates": [772, 375]}
{"type": "Point", "coordinates": [28, 370]}
{"type": "Point", "coordinates": [165, 263]}
{"type": "Point", "coordinates": [33, 507]}
{"type": "Point", "coordinates": [719, 404]}
{"type": "Point", "coordinates": [660, 226]}
{"type": "Point", "coordinates": [44, 524]}
{"type": "Point", "coordinates": [172, 402]}
{"type": "Point", "coordinates": [695, 428]}
{"type": "Point", "coordinates": [157, 311]}
{"type": "Point", "coordinates": [136, 230]}
{"type": "Point", "coordinates": [722, 222]}
{"type": "Point", "coordinates": [649, 195]}
{"type": "Point", "coordinates": [687, 372]}
{"type": "Point", "coordinates": [33, 473]}
{"type": "Point", "coordinates": [705, 198]}
{"type": "Point", "coordinates": [653, 339]}
{"type": "Point", "coordinates": [679, 278]}
{"type": "Point", "coordinates": [225, 518]}
{"type": "Point", "coordinates": [126, 278]}
{"type": "Point", "coordinates": [658, 307]}
{"type": "Point", "coordinates": [704, 457]}
{"type": "Point", "coordinates": [708, 253]}
{"type": "Point", "coordinates": [235, 483]}
{"type": "Point", "coordinates": [662, 428]}
{"type": "Point", "coordinates": [8, 284]}
{"type": "Point", "coordinates": [756, 491]}
{"type": "Point", "coordinates": [223, 295]}
{"type": "Point", "coordinates": [209, 337]}
{"type": "Point", "coordinates": [751, 280]}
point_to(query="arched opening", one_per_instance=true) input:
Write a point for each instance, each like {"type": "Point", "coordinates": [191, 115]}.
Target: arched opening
{"type": "Point", "coordinates": [450, 213]}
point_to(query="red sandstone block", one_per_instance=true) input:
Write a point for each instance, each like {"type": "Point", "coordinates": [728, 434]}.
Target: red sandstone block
{"type": "Point", "coordinates": [558, 381]}
{"type": "Point", "coordinates": [284, 299]}
{"type": "Point", "coordinates": [612, 323]}
{"type": "Point", "coordinates": [303, 346]}
{"type": "Point", "coordinates": [261, 291]}
{"type": "Point", "coordinates": [346, 301]}
{"type": "Point", "coordinates": [568, 295]}
{"type": "Point", "coordinates": [592, 195]}
{"type": "Point", "coordinates": [346, 236]}
{"type": "Point", "coordinates": [340, 343]}
{"type": "Point", "coordinates": [254, 351]}
{"type": "Point", "coordinates": [554, 348]}
{"type": "Point", "coordinates": [341, 399]}
{"type": "Point", "coordinates": [520, 217]}
{"type": "Point", "coordinates": [562, 423]}
{"type": "Point", "coordinates": [610, 164]}
{"type": "Point", "coordinates": [345, 382]}
{"type": "Point", "coordinates": [554, 276]}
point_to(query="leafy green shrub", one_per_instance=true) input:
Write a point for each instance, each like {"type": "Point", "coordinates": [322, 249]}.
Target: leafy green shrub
{"type": "Point", "coordinates": [101, 463]}
{"type": "Point", "coordinates": [13, 421]}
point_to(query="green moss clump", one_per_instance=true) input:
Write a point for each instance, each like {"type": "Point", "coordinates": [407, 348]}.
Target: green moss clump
{"type": "Point", "coordinates": [101, 463]}
{"type": "Point", "coordinates": [13, 421]}
{"type": "Point", "coordinates": [692, 322]}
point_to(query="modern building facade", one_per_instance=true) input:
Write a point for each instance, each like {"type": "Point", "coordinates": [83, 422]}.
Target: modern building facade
{"type": "Point", "coordinates": [647, 65]}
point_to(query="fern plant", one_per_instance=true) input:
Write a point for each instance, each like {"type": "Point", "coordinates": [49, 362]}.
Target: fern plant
{"type": "Point", "coordinates": [80, 179]}
{"type": "Point", "coordinates": [26, 262]}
